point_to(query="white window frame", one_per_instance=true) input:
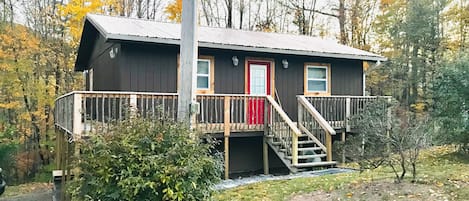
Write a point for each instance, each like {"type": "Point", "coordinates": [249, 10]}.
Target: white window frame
{"type": "Point", "coordinates": [204, 75]}
{"type": "Point", "coordinates": [317, 79]}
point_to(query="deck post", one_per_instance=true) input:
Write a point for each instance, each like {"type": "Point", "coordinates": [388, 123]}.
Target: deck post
{"type": "Point", "coordinates": [226, 118]}
{"type": "Point", "coordinates": [347, 114]}
{"type": "Point", "coordinates": [227, 135]}
{"type": "Point", "coordinates": [265, 147]}
{"type": "Point", "coordinates": [328, 146]}
{"type": "Point", "coordinates": [227, 157]}
{"type": "Point", "coordinates": [133, 105]}
{"type": "Point", "coordinates": [343, 151]}
{"type": "Point", "coordinates": [295, 149]}
{"type": "Point", "coordinates": [77, 126]}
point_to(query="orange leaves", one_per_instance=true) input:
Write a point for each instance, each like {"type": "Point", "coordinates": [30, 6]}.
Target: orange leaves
{"type": "Point", "coordinates": [174, 10]}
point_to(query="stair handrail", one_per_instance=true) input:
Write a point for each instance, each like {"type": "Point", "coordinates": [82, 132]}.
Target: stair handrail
{"type": "Point", "coordinates": [326, 144]}
{"type": "Point", "coordinates": [294, 129]}
{"type": "Point", "coordinates": [316, 115]}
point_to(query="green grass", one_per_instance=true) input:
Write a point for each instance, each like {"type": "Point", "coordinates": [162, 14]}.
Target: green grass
{"type": "Point", "coordinates": [439, 167]}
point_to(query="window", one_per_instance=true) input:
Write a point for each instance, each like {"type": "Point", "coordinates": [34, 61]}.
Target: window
{"type": "Point", "coordinates": [203, 74]}
{"type": "Point", "coordinates": [317, 79]}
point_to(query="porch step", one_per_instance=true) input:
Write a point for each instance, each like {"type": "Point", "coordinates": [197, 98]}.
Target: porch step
{"type": "Point", "coordinates": [310, 149]}
{"type": "Point", "coordinates": [304, 149]}
{"type": "Point", "coordinates": [316, 164]}
{"type": "Point", "coordinates": [306, 142]}
{"type": "Point", "coordinates": [308, 156]}
{"type": "Point", "coordinates": [299, 142]}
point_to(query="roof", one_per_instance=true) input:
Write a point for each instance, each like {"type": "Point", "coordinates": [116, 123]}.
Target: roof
{"type": "Point", "coordinates": [130, 29]}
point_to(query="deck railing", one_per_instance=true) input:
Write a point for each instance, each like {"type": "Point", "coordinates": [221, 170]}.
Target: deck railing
{"type": "Point", "coordinates": [236, 112]}
{"type": "Point", "coordinates": [337, 110]}
{"type": "Point", "coordinates": [312, 123]}
{"type": "Point", "coordinates": [81, 112]}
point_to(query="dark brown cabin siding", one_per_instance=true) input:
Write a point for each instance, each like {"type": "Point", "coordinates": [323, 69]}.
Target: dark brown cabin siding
{"type": "Point", "coordinates": [148, 68]}
{"type": "Point", "coordinates": [105, 69]}
{"type": "Point", "coordinates": [153, 68]}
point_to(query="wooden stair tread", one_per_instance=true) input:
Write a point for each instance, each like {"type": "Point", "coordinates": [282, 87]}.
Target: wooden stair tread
{"type": "Point", "coordinates": [310, 149]}
{"type": "Point", "coordinates": [316, 164]}
{"type": "Point", "coordinates": [308, 156]}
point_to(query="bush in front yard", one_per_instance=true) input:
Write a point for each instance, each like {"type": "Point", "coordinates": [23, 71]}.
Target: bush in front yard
{"type": "Point", "coordinates": [143, 160]}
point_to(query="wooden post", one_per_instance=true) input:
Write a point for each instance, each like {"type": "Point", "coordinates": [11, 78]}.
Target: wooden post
{"type": "Point", "coordinates": [295, 149]}
{"type": "Point", "coordinates": [265, 155]}
{"type": "Point", "coordinates": [265, 147]}
{"type": "Point", "coordinates": [347, 115]}
{"type": "Point", "coordinates": [343, 151]}
{"type": "Point", "coordinates": [77, 124]}
{"type": "Point", "coordinates": [328, 146]}
{"type": "Point", "coordinates": [188, 51]}
{"type": "Point", "coordinates": [227, 157]}
{"type": "Point", "coordinates": [300, 113]}
{"type": "Point", "coordinates": [226, 122]}
{"type": "Point", "coordinates": [133, 105]}
{"type": "Point", "coordinates": [227, 136]}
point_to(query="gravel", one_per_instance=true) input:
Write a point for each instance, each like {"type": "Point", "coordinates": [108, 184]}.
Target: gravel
{"type": "Point", "coordinates": [232, 183]}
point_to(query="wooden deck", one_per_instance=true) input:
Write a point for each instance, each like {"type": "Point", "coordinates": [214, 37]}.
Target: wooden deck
{"type": "Point", "coordinates": [83, 113]}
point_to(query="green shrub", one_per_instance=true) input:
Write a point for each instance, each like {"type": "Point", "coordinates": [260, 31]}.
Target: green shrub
{"type": "Point", "coordinates": [143, 160]}
{"type": "Point", "coordinates": [451, 101]}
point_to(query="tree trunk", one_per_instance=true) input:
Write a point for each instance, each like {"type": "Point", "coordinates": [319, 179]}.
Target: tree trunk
{"type": "Point", "coordinates": [342, 18]}
{"type": "Point", "coordinates": [229, 6]}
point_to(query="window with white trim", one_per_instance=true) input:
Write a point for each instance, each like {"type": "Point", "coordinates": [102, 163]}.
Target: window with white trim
{"type": "Point", "coordinates": [203, 74]}
{"type": "Point", "coordinates": [317, 78]}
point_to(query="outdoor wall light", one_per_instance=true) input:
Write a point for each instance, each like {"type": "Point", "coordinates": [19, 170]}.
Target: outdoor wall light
{"type": "Point", "coordinates": [285, 63]}
{"type": "Point", "coordinates": [113, 52]}
{"type": "Point", "coordinates": [235, 60]}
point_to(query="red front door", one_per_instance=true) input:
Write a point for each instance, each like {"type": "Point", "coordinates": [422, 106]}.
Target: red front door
{"type": "Point", "coordinates": [258, 84]}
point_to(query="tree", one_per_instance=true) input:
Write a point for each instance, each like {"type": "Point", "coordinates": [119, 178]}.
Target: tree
{"type": "Point", "coordinates": [174, 10]}
{"type": "Point", "coordinates": [146, 160]}
{"type": "Point", "coordinates": [451, 101]}
{"type": "Point", "coordinates": [388, 135]}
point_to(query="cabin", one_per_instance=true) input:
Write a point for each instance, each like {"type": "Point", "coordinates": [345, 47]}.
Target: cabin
{"type": "Point", "coordinates": [275, 101]}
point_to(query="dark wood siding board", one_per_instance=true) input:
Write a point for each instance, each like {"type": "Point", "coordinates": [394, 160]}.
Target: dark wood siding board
{"type": "Point", "coordinates": [153, 68]}
{"type": "Point", "coordinates": [149, 68]}
{"type": "Point", "coordinates": [105, 71]}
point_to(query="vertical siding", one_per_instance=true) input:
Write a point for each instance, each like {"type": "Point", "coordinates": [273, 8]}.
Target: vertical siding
{"type": "Point", "coordinates": [153, 68]}
{"type": "Point", "coordinates": [105, 71]}
{"type": "Point", "coordinates": [148, 68]}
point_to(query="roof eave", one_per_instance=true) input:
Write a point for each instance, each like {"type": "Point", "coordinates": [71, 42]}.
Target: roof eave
{"type": "Point", "coordinates": [245, 48]}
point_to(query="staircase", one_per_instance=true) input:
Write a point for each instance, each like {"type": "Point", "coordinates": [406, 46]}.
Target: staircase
{"type": "Point", "coordinates": [304, 145]}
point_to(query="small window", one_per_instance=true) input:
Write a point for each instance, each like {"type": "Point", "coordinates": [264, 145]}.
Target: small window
{"type": "Point", "coordinates": [317, 79]}
{"type": "Point", "coordinates": [203, 74]}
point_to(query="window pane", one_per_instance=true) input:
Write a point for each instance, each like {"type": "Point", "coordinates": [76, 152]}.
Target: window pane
{"type": "Point", "coordinates": [202, 82]}
{"type": "Point", "coordinates": [202, 67]}
{"type": "Point", "coordinates": [317, 73]}
{"type": "Point", "coordinates": [314, 85]}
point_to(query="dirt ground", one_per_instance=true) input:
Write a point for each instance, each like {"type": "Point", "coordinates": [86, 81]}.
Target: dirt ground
{"type": "Point", "coordinates": [379, 191]}
{"type": "Point", "coordinates": [28, 192]}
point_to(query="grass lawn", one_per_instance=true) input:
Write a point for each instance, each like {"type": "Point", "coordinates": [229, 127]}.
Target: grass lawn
{"type": "Point", "coordinates": [443, 174]}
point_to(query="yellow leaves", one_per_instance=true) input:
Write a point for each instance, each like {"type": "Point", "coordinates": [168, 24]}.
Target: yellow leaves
{"type": "Point", "coordinates": [174, 10]}
{"type": "Point", "coordinates": [10, 105]}
{"type": "Point", "coordinates": [349, 195]}
{"type": "Point", "coordinates": [75, 12]}
{"type": "Point", "coordinates": [419, 107]}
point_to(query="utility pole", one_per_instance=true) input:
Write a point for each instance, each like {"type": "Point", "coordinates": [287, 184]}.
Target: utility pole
{"type": "Point", "coordinates": [187, 104]}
